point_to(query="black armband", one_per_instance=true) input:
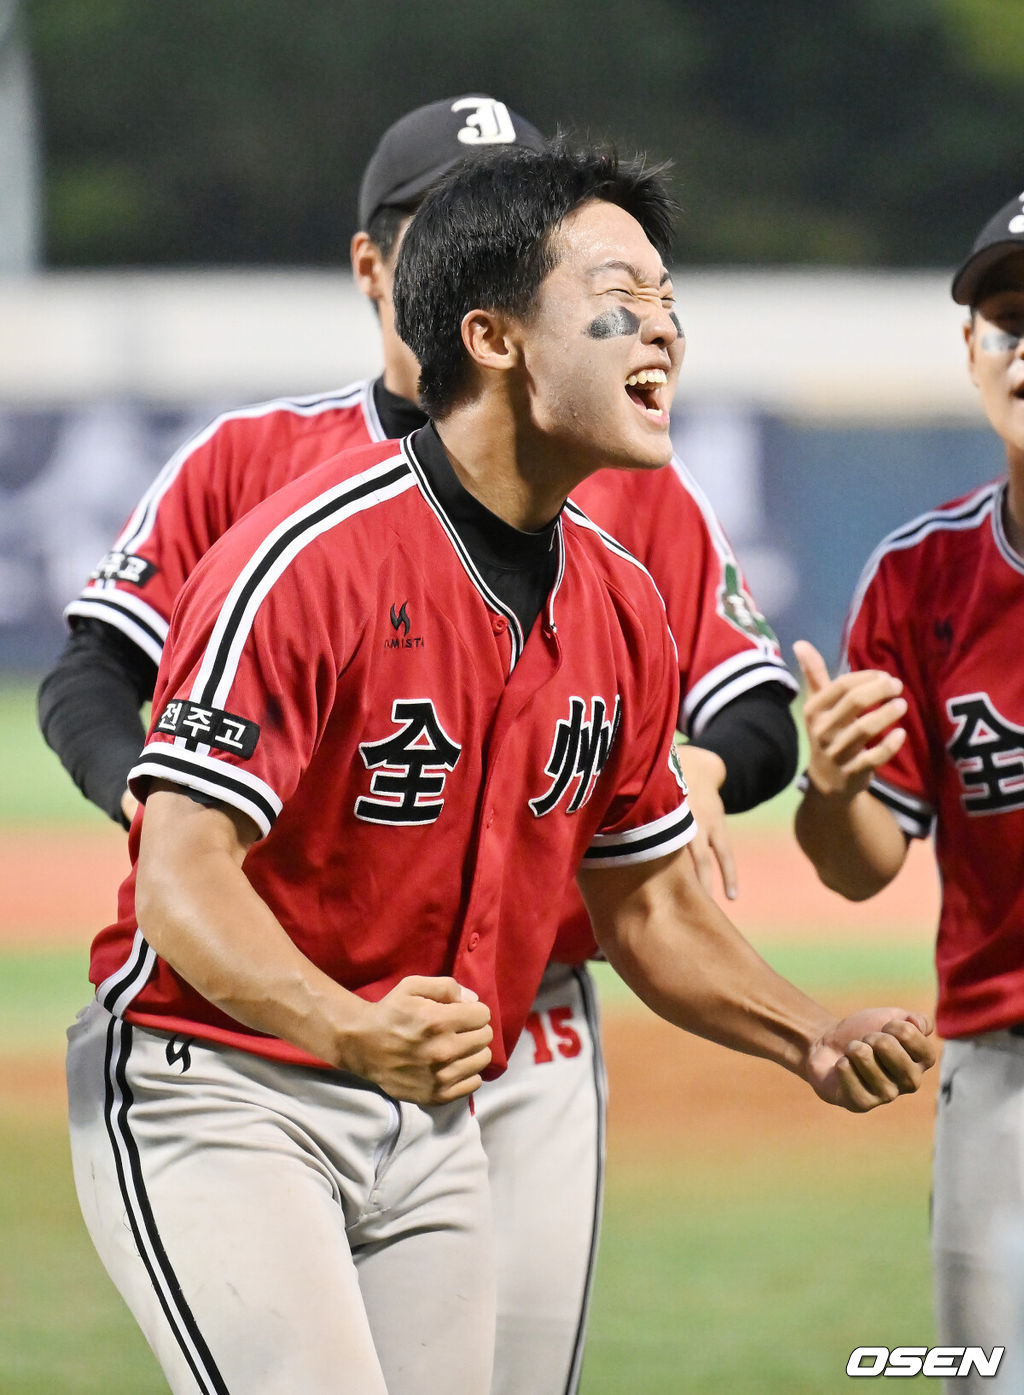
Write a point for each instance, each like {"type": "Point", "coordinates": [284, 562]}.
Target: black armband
{"type": "Point", "coordinates": [756, 737]}
{"type": "Point", "coordinates": [89, 711]}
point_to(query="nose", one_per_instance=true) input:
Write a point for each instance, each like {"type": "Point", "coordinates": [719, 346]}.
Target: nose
{"type": "Point", "coordinates": [662, 328]}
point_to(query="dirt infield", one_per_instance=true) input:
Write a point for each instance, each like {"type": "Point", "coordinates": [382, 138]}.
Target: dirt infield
{"type": "Point", "coordinates": [57, 884]}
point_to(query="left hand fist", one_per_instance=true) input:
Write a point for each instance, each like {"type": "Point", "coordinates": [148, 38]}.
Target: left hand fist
{"type": "Point", "coordinates": [871, 1057]}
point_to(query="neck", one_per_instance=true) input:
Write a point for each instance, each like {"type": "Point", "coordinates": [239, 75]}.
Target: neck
{"type": "Point", "coordinates": [518, 475]}
{"type": "Point", "coordinates": [401, 371]}
{"type": "Point", "coordinates": [1013, 513]}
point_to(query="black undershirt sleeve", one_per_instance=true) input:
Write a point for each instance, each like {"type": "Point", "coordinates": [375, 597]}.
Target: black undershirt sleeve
{"type": "Point", "coordinates": [89, 710]}
{"type": "Point", "coordinates": [756, 737]}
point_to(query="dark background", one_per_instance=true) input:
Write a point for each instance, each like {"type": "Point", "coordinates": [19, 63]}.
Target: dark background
{"type": "Point", "coordinates": [869, 132]}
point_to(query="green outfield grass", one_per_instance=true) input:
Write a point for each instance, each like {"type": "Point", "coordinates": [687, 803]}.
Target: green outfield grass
{"type": "Point", "coordinates": [34, 789]}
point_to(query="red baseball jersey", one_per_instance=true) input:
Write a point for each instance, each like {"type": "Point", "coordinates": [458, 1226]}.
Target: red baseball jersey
{"type": "Point", "coordinates": [724, 646]}
{"type": "Point", "coordinates": [424, 779]}
{"type": "Point", "coordinates": [941, 605]}
{"type": "Point", "coordinates": [210, 483]}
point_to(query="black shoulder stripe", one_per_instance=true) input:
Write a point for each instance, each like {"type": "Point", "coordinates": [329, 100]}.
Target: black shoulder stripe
{"type": "Point", "coordinates": [267, 560]}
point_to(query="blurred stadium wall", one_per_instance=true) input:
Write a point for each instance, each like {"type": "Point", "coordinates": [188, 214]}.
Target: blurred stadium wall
{"type": "Point", "coordinates": [817, 410]}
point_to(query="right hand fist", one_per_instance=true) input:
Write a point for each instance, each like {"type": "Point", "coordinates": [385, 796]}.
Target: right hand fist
{"type": "Point", "coordinates": [850, 723]}
{"type": "Point", "coordinates": [427, 1041]}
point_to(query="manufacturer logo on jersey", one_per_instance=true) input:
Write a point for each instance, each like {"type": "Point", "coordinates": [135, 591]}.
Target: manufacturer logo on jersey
{"type": "Point", "coordinates": [124, 566]}
{"type": "Point", "coordinates": [942, 630]}
{"type": "Point", "coordinates": [737, 605]}
{"type": "Point", "coordinates": [578, 755]}
{"type": "Point", "coordinates": [488, 122]}
{"type": "Point", "coordinates": [179, 1052]}
{"type": "Point", "coordinates": [988, 752]}
{"type": "Point", "coordinates": [401, 624]}
{"type": "Point", "coordinates": [409, 767]}
{"type": "Point", "coordinates": [209, 726]}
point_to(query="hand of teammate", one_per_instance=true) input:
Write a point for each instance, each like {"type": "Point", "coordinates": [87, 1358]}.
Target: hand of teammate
{"type": "Point", "coordinates": [849, 722]}
{"type": "Point", "coordinates": [871, 1058]}
{"type": "Point", "coordinates": [704, 772]}
{"type": "Point", "coordinates": [426, 1041]}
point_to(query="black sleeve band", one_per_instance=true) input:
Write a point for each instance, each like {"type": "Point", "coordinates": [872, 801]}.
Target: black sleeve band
{"type": "Point", "coordinates": [89, 710]}
{"type": "Point", "coordinates": [756, 737]}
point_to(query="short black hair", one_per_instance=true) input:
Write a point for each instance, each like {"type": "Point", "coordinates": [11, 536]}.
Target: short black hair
{"type": "Point", "coordinates": [483, 239]}
{"type": "Point", "coordinates": [385, 225]}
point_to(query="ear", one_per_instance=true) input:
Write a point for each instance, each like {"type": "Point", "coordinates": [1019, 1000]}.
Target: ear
{"type": "Point", "coordinates": [969, 340]}
{"type": "Point", "coordinates": [368, 267]}
{"type": "Point", "coordinates": [489, 340]}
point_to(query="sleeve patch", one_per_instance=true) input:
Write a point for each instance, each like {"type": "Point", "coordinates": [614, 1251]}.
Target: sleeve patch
{"type": "Point", "coordinates": [209, 726]}
{"type": "Point", "coordinates": [736, 604]}
{"type": "Point", "coordinates": [124, 566]}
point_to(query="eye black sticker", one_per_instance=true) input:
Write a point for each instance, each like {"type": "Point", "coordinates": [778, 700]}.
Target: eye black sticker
{"type": "Point", "coordinates": [613, 324]}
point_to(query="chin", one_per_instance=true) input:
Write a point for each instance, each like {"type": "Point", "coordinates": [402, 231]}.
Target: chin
{"type": "Point", "coordinates": [653, 456]}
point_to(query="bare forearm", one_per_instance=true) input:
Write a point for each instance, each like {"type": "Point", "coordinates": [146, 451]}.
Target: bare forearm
{"type": "Point", "coordinates": [683, 957]}
{"type": "Point", "coordinates": [427, 1040]}
{"type": "Point", "coordinates": [855, 844]}
{"type": "Point", "coordinates": [687, 961]}
{"type": "Point", "coordinates": [199, 912]}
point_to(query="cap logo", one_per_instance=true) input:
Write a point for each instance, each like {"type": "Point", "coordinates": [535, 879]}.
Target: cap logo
{"type": "Point", "coordinates": [488, 122]}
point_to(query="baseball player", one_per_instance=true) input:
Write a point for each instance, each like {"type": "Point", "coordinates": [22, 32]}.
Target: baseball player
{"type": "Point", "coordinates": [339, 910]}
{"type": "Point", "coordinates": [925, 736]}
{"type": "Point", "coordinates": [542, 1122]}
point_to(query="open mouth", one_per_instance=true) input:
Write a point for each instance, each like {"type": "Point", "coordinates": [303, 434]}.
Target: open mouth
{"type": "Point", "coordinates": [646, 391]}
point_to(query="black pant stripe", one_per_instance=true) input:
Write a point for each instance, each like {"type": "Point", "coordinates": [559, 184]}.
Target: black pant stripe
{"type": "Point", "coordinates": [590, 1012]}
{"type": "Point", "coordinates": [132, 1184]}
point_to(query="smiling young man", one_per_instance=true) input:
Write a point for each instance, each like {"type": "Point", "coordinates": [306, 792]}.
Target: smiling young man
{"type": "Point", "coordinates": [542, 1121]}
{"type": "Point", "coordinates": [925, 735]}
{"type": "Point", "coordinates": [347, 872]}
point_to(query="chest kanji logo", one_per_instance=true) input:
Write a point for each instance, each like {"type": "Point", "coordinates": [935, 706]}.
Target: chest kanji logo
{"type": "Point", "coordinates": [988, 751]}
{"type": "Point", "coordinates": [409, 767]}
{"type": "Point", "coordinates": [578, 754]}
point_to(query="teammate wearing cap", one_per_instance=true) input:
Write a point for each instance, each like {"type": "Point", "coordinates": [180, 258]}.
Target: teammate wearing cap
{"type": "Point", "coordinates": [337, 818]}
{"type": "Point", "coordinates": [925, 735]}
{"type": "Point", "coordinates": [542, 1122]}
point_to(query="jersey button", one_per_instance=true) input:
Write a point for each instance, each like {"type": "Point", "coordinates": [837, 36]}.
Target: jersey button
{"type": "Point", "coordinates": [473, 941]}
{"type": "Point", "coordinates": [499, 624]}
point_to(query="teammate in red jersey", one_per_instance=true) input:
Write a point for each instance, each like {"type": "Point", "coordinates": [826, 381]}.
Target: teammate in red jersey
{"type": "Point", "coordinates": [543, 1121]}
{"type": "Point", "coordinates": [925, 736]}
{"type": "Point", "coordinates": [343, 870]}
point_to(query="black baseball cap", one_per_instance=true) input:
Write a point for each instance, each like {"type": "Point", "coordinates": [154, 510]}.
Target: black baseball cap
{"type": "Point", "coordinates": [423, 145]}
{"type": "Point", "coordinates": [1000, 236]}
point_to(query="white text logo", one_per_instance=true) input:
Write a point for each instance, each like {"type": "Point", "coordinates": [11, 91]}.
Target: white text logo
{"type": "Point", "coordinates": [927, 1361]}
{"type": "Point", "coordinates": [488, 123]}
